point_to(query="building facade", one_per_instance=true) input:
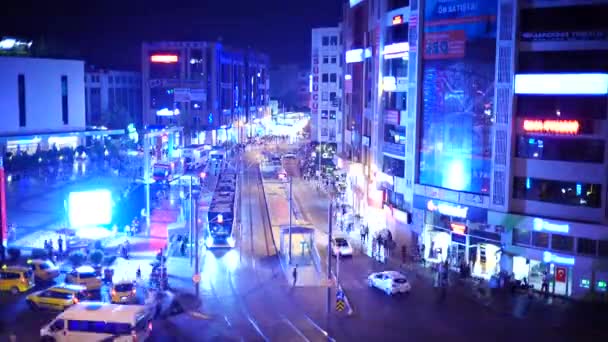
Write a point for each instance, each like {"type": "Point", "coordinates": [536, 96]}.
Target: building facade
{"type": "Point", "coordinates": [211, 90]}
{"type": "Point", "coordinates": [478, 133]}
{"type": "Point", "coordinates": [113, 98]}
{"type": "Point", "coordinates": [290, 86]}
{"type": "Point", "coordinates": [327, 84]}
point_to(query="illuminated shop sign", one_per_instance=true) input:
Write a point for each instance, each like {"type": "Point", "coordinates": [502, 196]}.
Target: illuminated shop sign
{"type": "Point", "coordinates": [389, 83]}
{"type": "Point", "coordinates": [167, 112]}
{"type": "Point", "coordinates": [396, 50]}
{"type": "Point", "coordinates": [552, 126]}
{"type": "Point", "coordinates": [357, 55]}
{"type": "Point", "coordinates": [453, 210]}
{"type": "Point", "coordinates": [458, 228]}
{"type": "Point", "coordinates": [542, 225]}
{"type": "Point", "coordinates": [354, 2]}
{"type": "Point", "coordinates": [561, 84]}
{"type": "Point", "coordinates": [560, 36]}
{"type": "Point", "coordinates": [398, 19]}
{"type": "Point", "coordinates": [163, 58]}
{"type": "Point", "coordinates": [557, 259]}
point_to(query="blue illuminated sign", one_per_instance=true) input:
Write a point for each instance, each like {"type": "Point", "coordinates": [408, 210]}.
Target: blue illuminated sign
{"type": "Point", "coordinates": [557, 259]}
{"type": "Point", "coordinates": [542, 225]}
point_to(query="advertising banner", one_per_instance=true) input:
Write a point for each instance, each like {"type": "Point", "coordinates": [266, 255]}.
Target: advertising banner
{"type": "Point", "coordinates": [459, 55]}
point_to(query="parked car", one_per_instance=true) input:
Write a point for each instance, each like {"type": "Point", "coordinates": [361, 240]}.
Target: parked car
{"type": "Point", "coordinates": [341, 246]}
{"type": "Point", "coordinates": [44, 270]}
{"type": "Point", "coordinates": [58, 297]}
{"type": "Point", "coordinates": [16, 279]}
{"type": "Point", "coordinates": [390, 282]}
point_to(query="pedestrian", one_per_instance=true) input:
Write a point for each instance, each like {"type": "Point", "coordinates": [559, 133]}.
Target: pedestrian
{"type": "Point", "coordinates": [545, 285]}
{"type": "Point", "coordinates": [403, 254]}
{"type": "Point", "coordinates": [294, 274]}
{"type": "Point", "coordinates": [59, 246]}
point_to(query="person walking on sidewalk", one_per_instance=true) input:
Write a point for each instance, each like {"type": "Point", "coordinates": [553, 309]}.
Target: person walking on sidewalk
{"type": "Point", "coordinates": [544, 289]}
{"type": "Point", "coordinates": [294, 274]}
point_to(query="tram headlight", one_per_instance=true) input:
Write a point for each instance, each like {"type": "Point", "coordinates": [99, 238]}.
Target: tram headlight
{"type": "Point", "coordinates": [209, 241]}
{"type": "Point", "coordinates": [230, 241]}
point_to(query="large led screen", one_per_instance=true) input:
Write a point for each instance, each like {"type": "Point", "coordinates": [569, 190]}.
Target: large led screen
{"type": "Point", "coordinates": [458, 92]}
{"type": "Point", "coordinates": [90, 208]}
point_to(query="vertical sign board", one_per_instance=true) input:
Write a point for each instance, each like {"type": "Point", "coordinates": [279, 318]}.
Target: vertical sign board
{"type": "Point", "coordinates": [458, 69]}
{"type": "Point", "coordinates": [560, 274]}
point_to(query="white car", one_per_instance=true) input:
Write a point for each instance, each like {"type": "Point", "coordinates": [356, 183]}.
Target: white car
{"type": "Point", "coordinates": [390, 282]}
{"type": "Point", "coordinates": [289, 156]}
{"type": "Point", "coordinates": [341, 246]}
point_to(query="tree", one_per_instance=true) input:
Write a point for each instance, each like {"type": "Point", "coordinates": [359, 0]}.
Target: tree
{"type": "Point", "coordinates": [77, 258]}
{"type": "Point", "coordinates": [96, 257]}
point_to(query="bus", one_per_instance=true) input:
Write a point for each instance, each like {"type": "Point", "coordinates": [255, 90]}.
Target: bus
{"type": "Point", "coordinates": [195, 156]}
{"type": "Point", "coordinates": [220, 216]}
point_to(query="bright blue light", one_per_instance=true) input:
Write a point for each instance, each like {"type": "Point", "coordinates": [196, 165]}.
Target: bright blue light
{"type": "Point", "coordinates": [542, 225]}
{"type": "Point", "coordinates": [550, 257]}
{"type": "Point", "coordinates": [210, 118]}
{"type": "Point", "coordinates": [579, 189]}
{"type": "Point", "coordinates": [528, 183]}
{"type": "Point", "coordinates": [531, 141]}
{"type": "Point", "coordinates": [90, 208]}
{"type": "Point", "coordinates": [562, 84]}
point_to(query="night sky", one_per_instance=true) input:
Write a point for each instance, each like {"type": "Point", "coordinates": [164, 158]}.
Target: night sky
{"type": "Point", "coordinates": [108, 33]}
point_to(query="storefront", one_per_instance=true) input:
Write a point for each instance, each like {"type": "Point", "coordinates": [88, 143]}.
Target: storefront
{"type": "Point", "coordinates": [458, 234]}
{"type": "Point", "coordinates": [569, 256]}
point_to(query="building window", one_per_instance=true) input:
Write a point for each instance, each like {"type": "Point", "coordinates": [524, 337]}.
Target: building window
{"type": "Point", "coordinates": [332, 114]}
{"type": "Point", "coordinates": [324, 96]}
{"type": "Point", "coordinates": [395, 200]}
{"type": "Point", "coordinates": [332, 96]}
{"type": "Point", "coordinates": [586, 246]}
{"type": "Point", "coordinates": [110, 79]}
{"type": "Point", "coordinates": [324, 78]}
{"type": "Point", "coordinates": [563, 149]}
{"type": "Point", "coordinates": [325, 60]}
{"type": "Point", "coordinates": [602, 248]}
{"type": "Point", "coordinates": [324, 114]}
{"type": "Point", "coordinates": [394, 134]}
{"type": "Point", "coordinates": [21, 99]}
{"type": "Point", "coordinates": [567, 193]}
{"type": "Point", "coordinates": [64, 99]}
{"type": "Point", "coordinates": [563, 243]}
{"type": "Point", "coordinates": [540, 239]}
{"type": "Point", "coordinates": [521, 237]}
{"type": "Point", "coordinates": [562, 107]}
{"type": "Point", "coordinates": [334, 59]}
{"type": "Point", "coordinates": [333, 78]}
{"type": "Point", "coordinates": [325, 41]}
{"type": "Point", "coordinates": [333, 41]}
{"type": "Point", "coordinates": [393, 167]}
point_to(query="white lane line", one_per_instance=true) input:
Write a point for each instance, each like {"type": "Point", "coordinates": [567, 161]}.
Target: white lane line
{"type": "Point", "coordinates": [295, 328]}
{"type": "Point", "coordinates": [319, 328]}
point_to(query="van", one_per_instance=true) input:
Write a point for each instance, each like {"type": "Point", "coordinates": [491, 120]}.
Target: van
{"type": "Point", "coordinates": [96, 321]}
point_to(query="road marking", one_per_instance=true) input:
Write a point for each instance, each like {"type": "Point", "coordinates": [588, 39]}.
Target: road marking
{"type": "Point", "coordinates": [294, 328]}
{"type": "Point", "coordinates": [319, 328]}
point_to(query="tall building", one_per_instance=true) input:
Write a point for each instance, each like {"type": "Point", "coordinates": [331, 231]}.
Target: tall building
{"type": "Point", "coordinates": [327, 83]}
{"type": "Point", "coordinates": [113, 97]}
{"type": "Point", "coordinates": [476, 132]}
{"type": "Point", "coordinates": [209, 89]}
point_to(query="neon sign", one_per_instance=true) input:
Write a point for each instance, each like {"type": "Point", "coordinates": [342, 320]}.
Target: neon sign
{"type": "Point", "coordinates": [557, 259]}
{"type": "Point", "coordinates": [389, 83]}
{"type": "Point", "coordinates": [163, 59]}
{"type": "Point", "coordinates": [552, 126]}
{"type": "Point", "coordinates": [448, 209]}
{"type": "Point", "coordinates": [561, 84]}
{"type": "Point", "coordinates": [167, 112]}
{"type": "Point", "coordinates": [458, 228]}
{"type": "Point", "coordinates": [398, 19]}
{"type": "Point", "coordinates": [396, 48]}
{"type": "Point", "coordinates": [540, 225]}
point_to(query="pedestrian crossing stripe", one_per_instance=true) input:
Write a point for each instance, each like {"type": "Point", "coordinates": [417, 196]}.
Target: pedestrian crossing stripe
{"type": "Point", "coordinates": [340, 305]}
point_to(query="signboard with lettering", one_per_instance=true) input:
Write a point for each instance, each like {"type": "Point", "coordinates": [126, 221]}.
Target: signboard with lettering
{"type": "Point", "coordinates": [473, 214]}
{"type": "Point", "coordinates": [557, 36]}
{"type": "Point", "coordinates": [444, 45]}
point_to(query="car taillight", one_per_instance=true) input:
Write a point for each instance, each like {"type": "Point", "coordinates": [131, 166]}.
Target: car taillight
{"type": "Point", "coordinates": [75, 299]}
{"type": "Point", "coordinates": [134, 291]}
{"type": "Point", "coordinates": [150, 326]}
{"type": "Point", "coordinates": [23, 279]}
{"type": "Point", "coordinates": [113, 292]}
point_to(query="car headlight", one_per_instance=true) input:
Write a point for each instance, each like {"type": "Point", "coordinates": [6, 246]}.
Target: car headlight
{"type": "Point", "coordinates": [209, 241]}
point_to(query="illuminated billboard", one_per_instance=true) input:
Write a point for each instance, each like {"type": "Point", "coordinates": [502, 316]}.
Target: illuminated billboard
{"type": "Point", "coordinates": [90, 208]}
{"type": "Point", "coordinates": [458, 91]}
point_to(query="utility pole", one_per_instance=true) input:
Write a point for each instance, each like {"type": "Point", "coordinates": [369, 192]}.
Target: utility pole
{"type": "Point", "coordinates": [196, 246]}
{"type": "Point", "coordinates": [290, 208]}
{"type": "Point", "coordinates": [329, 235]}
{"type": "Point", "coordinates": [192, 222]}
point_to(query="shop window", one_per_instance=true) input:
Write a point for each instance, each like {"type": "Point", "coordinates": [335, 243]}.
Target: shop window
{"type": "Point", "coordinates": [602, 248]}
{"type": "Point", "coordinates": [586, 246]}
{"type": "Point", "coordinates": [540, 239]}
{"type": "Point", "coordinates": [562, 243]}
{"type": "Point", "coordinates": [521, 237]}
{"type": "Point", "coordinates": [567, 193]}
{"type": "Point", "coordinates": [564, 149]}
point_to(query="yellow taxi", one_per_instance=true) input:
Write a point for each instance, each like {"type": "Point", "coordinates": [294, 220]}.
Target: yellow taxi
{"type": "Point", "coordinates": [58, 297]}
{"type": "Point", "coordinates": [16, 279]}
{"type": "Point", "coordinates": [84, 275]}
{"type": "Point", "coordinates": [44, 270]}
{"type": "Point", "coordinates": [124, 292]}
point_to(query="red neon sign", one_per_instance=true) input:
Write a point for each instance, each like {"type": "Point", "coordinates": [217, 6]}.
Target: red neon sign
{"type": "Point", "coordinates": [458, 228]}
{"type": "Point", "coordinates": [552, 126]}
{"type": "Point", "coordinates": [163, 58]}
{"type": "Point", "coordinates": [398, 19]}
